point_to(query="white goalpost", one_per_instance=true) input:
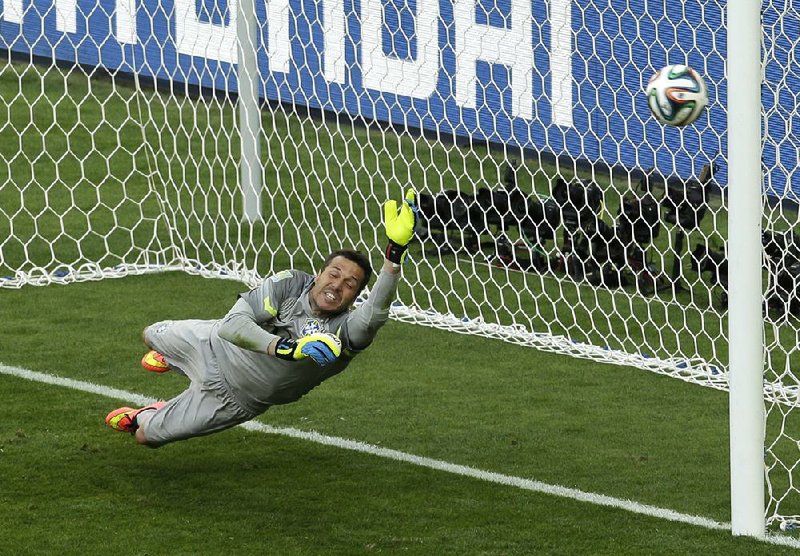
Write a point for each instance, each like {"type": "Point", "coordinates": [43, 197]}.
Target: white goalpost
{"type": "Point", "coordinates": [746, 355]}
{"type": "Point", "coordinates": [555, 211]}
{"type": "Point", "coordinates": [250, 166]}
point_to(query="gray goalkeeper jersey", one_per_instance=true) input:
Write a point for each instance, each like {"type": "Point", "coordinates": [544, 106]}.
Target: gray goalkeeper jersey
{"type": "Point", "coordinates": [280, 306]}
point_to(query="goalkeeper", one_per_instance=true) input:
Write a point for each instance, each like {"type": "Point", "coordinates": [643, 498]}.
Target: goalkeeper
{"type": "Point", "coordinates": [277, 342]}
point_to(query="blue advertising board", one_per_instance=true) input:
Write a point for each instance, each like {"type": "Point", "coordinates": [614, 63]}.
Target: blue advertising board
{"type": "Point", "coordinates": [563, 77]}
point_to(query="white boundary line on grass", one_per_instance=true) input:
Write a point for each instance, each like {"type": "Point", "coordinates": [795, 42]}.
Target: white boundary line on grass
{"type": "Point", "coordinates": [439, 465]}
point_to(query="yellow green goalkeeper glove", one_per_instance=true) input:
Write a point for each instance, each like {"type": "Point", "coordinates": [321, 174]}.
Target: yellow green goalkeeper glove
{"type": "Point", "coordinates": [322, 347]}
{"type": "Point", "coordinates": [399, 226]}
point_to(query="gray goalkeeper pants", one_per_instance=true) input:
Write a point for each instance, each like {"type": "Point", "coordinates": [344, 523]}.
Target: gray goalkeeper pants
{"type": "Point", "coordinates": [206, 406]}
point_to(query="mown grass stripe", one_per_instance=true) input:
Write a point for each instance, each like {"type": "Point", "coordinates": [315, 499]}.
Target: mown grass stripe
{"type": "Point", "coordinates": [388, 453]}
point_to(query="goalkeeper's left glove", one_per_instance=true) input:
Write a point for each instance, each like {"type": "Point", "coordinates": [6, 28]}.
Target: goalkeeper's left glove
{"type": "Point", "coordinates": [322, 347]}
{"type": "Point", "coordinates": [399, 227]}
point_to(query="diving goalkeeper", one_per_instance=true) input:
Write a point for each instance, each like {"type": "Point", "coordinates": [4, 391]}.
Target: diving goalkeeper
{"type": "Point", "coordinates": [277, 342]}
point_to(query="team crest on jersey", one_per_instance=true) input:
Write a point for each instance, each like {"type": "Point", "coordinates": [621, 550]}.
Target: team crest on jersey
{"type": "Point", "coordinates": [312, 326]}
{"type": "Point", "coordinates": [162, 327]}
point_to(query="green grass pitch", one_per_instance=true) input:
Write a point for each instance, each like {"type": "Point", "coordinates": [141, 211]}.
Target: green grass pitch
{"type": "Point", "coordinates": [69, 485]}
{"type": "Point", "coordinates": [72, 485]}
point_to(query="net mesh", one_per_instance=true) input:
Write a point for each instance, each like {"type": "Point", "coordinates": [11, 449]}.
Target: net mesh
{"type": "Point", "coordinates": [554, 211]}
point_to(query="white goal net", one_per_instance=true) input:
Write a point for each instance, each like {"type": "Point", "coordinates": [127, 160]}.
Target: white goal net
{"type": "Point", "coordinates": [555, 212]}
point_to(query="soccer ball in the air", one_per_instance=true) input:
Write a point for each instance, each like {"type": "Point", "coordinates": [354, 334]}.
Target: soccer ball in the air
{"type": "Point", "coordinates": [677, 95]}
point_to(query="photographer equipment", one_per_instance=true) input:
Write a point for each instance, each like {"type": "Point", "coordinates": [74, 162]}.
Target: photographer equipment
{"type": "Point", "coordinates": [783, 263]}
{"type": "Point", "coordinates": [781, 246]}
{"type": "Point", "coordinates": [499, 207]}
{"type": "Point", "coordinates": [715, 262]}
{"type": "Point", "coordinates": [580, 205]}
{"type": "Point", "coordinates": [594, 251]}
{"type": "Point", "coordinates": [782, 250]}
{"type": "Point", "coordinates": [597, 258]}
{"type": "Point", "coordinates": [586, 237]}
{"type": "Point", "coordinates": [638, 219]}
{"type": "Point", "coordinates": [443, 212]}
{"type": "Point", "coordinates": [685, 203]}
{"type": "Point", "coordinates": [494, 212]}
{"type": "Point", "coordinates": [507, 207]}
{"type": "Point", "coordinates": [537, 220]}
{"type": "Point", "coordinates": [530, 259]}
{"type": "Point", "coordinates": [784, 292]}
{"type": "Point", "coordinates": [638, 225]}
{"type": "Point", "coordinates": [703, 260]}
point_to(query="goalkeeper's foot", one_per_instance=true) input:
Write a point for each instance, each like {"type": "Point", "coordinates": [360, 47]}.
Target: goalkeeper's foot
{"type": "Point", "coordinates": [124, 418]}
{"type": "Point", "coordinates": [154, 361]}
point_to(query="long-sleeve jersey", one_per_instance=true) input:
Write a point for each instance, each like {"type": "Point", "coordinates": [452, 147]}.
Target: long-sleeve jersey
{"type": "Point", "coordinates": [280, 307]}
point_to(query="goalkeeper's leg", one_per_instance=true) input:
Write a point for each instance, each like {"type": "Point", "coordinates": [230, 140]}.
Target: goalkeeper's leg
{"type": "Point", "coordinates": [202, 409]}
{"type": "Point", "coordinates": [124, 419]}
{"type": "Point", "coordinates": [176, 345]}
{"type": "Point", "coordinates": [155, 362]}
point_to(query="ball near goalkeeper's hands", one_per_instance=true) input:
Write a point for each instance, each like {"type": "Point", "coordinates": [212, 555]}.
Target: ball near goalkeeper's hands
{"type": "Point", "coordinates": [324, 348]}
{"type": "Point", "coordinates": [399, 226]}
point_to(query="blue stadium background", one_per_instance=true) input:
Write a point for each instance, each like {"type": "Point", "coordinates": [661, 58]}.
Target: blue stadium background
{"type": "Point", "coordinates": [618, 44]}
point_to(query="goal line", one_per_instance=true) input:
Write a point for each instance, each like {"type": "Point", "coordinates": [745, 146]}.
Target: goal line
{"type": "Point", "coordinates": [421, 461]}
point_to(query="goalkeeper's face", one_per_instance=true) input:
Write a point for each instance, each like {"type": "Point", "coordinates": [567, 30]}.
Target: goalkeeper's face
{"type": "Point", "coordinates": [336, 286]}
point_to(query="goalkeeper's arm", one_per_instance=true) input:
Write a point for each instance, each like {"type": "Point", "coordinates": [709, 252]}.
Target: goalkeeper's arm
{"type": "Point", "coordinates": [399, 230]}
{"type": "Point", "coordinates": [241, 329]}
{"type": "Point", "coordinates": [364, 322]}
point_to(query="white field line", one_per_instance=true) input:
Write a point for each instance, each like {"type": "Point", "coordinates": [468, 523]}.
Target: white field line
{"type": "Point", "coordinates": [490, 476]}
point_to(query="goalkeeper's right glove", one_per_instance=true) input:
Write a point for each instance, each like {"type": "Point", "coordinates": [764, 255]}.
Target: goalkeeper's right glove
{"type": "Point", "coordinates": [322, 347]}
{"type": "Point", "coordinates": [399, 227]}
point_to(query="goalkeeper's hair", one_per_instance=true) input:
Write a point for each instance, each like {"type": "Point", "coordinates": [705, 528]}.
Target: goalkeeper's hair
{"type": "Point", "coordinates": [357, 257]}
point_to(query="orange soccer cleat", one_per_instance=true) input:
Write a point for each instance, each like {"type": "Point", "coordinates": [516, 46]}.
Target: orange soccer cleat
{"type": "Point", "coordinates": [154, 361]}
{"type": "Point", "coordinates": [124, 418]}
